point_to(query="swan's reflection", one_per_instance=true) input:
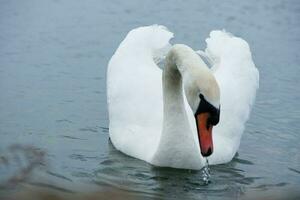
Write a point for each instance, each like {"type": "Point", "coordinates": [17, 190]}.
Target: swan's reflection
{"type": "Point", "coordinates": [136, 176]}
{"type": "Point", "coordinates": [139, 179]}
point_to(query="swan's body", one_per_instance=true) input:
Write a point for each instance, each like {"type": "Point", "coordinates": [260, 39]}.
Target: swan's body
{"type": "Point", "coordinates": [153, 120]}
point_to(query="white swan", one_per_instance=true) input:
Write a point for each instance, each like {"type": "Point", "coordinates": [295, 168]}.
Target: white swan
{"type": "Point", "coordinates": [152, 112]}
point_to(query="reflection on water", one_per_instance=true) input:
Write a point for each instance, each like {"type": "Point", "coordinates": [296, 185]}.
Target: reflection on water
{"type": "Point", "coordinates": [17, 164]}
{"type": "Point", "coordinates": [127, 174]}
{"type": "Point", "coordinates": [53, 97]}
{"type": "Point", "coordinates": [119, 176]}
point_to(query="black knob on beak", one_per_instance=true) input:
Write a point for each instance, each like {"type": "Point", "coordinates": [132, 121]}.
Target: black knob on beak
{"type": "Point", "coordinates": [207, 153]}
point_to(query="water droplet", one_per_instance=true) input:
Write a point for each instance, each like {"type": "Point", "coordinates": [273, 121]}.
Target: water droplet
{"type": "Point", "coordinates": [206, 173]}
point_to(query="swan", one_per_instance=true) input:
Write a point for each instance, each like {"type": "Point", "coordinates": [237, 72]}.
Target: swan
{"type": "Point", "coordinates": [179, 115]}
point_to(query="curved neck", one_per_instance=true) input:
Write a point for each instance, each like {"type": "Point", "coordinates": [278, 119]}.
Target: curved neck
{"type": "Point", "coordinates": [172, 91]}
{"type": "Point", "coordinates": [177, 140]}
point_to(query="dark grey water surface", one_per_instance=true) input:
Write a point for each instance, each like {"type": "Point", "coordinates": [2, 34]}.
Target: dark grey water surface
{"type": "Point", "coordinates": [53, 59]}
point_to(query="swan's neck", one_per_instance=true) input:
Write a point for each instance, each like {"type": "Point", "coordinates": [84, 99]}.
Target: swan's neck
{"type": "Point", "coordinates": [177, 140]}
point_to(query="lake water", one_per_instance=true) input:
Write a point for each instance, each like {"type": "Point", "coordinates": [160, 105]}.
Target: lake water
{"type": "Point", "coordinates": [53, 60]}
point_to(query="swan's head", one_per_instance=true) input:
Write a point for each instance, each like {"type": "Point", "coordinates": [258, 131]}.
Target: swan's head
{"type": "Point", "coordinates": [206, 116]}
{"type": "Point", "coordinates": [203, 95]}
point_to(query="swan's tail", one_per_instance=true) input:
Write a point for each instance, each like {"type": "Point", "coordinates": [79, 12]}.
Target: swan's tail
{"type": "Point", "coordinates": [238, 79]}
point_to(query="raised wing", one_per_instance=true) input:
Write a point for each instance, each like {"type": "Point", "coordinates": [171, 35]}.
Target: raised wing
{"type": "Point", "coordinates": [134, 91]}
{"type": "Point", "coordinates": [238, 79]}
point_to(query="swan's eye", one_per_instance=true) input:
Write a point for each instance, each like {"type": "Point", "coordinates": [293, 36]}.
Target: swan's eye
{"type": "Point", "coordinates": [214, 117]}
{"type": "Point", "coordinates": [206, 107]}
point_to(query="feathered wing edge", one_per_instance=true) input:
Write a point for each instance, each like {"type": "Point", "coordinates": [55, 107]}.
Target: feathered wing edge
{"type": "Point", "coordinates": [238, 79]}
{"type": "Point", "coordinates": [134, 91]}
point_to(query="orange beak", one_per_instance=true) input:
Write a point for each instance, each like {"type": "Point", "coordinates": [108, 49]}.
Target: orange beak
{"type": "Point", "coordinates": [204, 134]}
